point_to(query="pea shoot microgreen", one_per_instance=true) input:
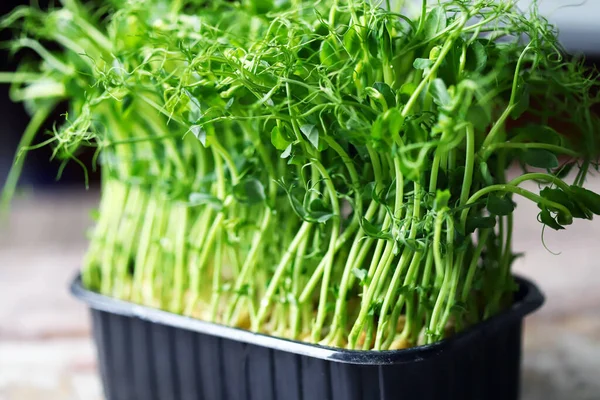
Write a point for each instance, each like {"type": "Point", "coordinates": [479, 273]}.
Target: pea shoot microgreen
{"type": "Point", "coordinates": [329, 171]}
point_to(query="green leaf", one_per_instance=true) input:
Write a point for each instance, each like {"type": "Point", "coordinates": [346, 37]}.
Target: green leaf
{"type": "Point", "coordinates": [375, 307]}
{"type": "Point", "coordinates": [449, 69]}
{"type": "Point", "coordinates": [407, 290]}
{"type": "Point", "coordinates": [368, 192]}
{"type": "Point", "coordinates": [319, 211]}
{"type": "Point", "coordinates": [288, 150]}
{"type": "Point", "coordinates": [361, 274]}
{"type": "Point", "coordinates": [540, 158]}
{"type": "Point", "coordinates": [579, 210]}
{"type": "Point", "coordinates": [193, 100]}
{"type": "Point", "coordinates": [197, 199]}
{"type": "Point", "coordinates": [200, 133]}
{"type": "Point", "coordinates": [318, 205]}
{"type": "Point", "coordinates": [320, 217]}
{"type": "Point", "coordinates": [126, 103]}
{"type": "Point", "coordinates": [250, 191]}
{"type": "Point", "coordinates": [440, 94]}
{"type": "Point", "coordinates": [500, 205]}
{"type": "Point", "coordinates": [435, 22]}
{"type": "Point", "coordinates": [195, 109]}
{"type": "Point", "coordinates": [538, 133]}
{"type": "Point", "coordinates": [327, 53]}
{"type": "Point", "coordinates": [386, 92]}
{"type": "Point", "coordinates": [442, 197]}
{"type": "Point", "coordinates": [415, 131]}
{"type": "Point", "coordinates": [278, 140]}
{"type": "Point", "coordinates": [474, 223]}
{"type": "Point", "coordinates": [352, 42]}
{"type": "Point", "coordinates": [415, 245]}
{"type": "Point", "coordinates": [297, 206]}
{"type": "Point", "coordinates": [557, 196]}
{"type": "Point", "coordinates": [245, 290]}
{"type": "Point", "coordinates": [375, 231]}
{"type": "Point", "coordinates": [422, 63]}
{"type": "Point", "coordinates": [547, 220]}
{"type": "Point", "coordinates": [377, 130]}
{"type": "Point", "coordinates": [476, 57]}
{"type": "Point", "coordinates": [312, 134]}
{"type": "Point", "coordinates": [394, 120]}
{"type": "Point", "coordinates": [297, 159]}
{"type": "Point", "coordinates": [480, 115]}
{"type": "Point", "coordinates": [588, 198]}
{"type": "Point", "coordinates": [406, 90]}
{"type": "Point", "coordinates": [373, 42]}
{"type": "Point", "coordinates": [259, 6]}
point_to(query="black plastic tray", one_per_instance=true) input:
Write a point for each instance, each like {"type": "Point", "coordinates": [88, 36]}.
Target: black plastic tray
{"type": "Point", "coordinates": [149, 354]}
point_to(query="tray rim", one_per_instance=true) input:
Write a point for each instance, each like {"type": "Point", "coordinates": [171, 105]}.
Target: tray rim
{"type": "Point", "coordinates": [529, 299]}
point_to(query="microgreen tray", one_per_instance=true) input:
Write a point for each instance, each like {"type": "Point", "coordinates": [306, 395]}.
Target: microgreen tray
{"type": "Point", "coordinates": [147, 354]}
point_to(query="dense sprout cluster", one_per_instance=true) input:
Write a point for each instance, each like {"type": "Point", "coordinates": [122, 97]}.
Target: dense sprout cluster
{"type": "Point", "coordinates": [327, 171]}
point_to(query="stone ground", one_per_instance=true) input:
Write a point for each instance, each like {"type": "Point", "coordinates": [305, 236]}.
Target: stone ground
{"type": "Point", "coordinates": [46, 352]}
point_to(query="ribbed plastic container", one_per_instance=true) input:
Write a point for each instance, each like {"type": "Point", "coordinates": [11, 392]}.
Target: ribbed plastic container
{"type": "Point", "coordinates": [148, 354]}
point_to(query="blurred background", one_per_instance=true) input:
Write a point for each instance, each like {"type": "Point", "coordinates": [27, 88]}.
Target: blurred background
{"type": "Point", "coordinates": [45, 349]}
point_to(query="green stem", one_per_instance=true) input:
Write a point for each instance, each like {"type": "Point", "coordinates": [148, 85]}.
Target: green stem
{"type": "Point", "coordinates": [52, 61]}
{"type": "Point", "coordinates": [457, 267]}
{"type": "Point", "coordinates": [249, 264]}
{"type": "Point", "coordinates": [484, 233]}
{"type": "Point", "coordinates": [217, 271]}
{"type": "Point", "coordinates": [108, 258]}
{"type": "Point", "coordinates": [391, 293]}
{"type": "Point", "coordinates": [10, 186]}
{"type": "Point", "coordinates": [206, 249]}
{"type": "Point", "coordinates": [312, 282]}
{"type": "Point", "coordinates": [353, 261]}
{"type": "Point", "coordinates": [435, 168]}
{"type": "Point", "coordinates": [321, 310]}
{"type": "Point", "coordinates": [90, 31]}
{"type": "Point", "coordinates": [512, 189]}
{"type": "Point", "coordinates": [413, 98]}
{"type": "Point", "coordinates": [143, 248]}
{"type": "Point", "coordinates": [218, 149]}
{"type": "Point", "coordinates": [410, 281]}
{"type": "Point", "coordinates": [380, 272]}
{"type": "Point", "coordinates": [20, 77]}
{"type": "Point", "coordinates": [504, 274]}
{"type": "Point", "coordinates": [181, 219]}
{"type": "Point", "coordinates": [375, 260]}
{"type": "Point", "coordinates": [469, 162]}
{"type": "Point", "coordinates": [295, 315]}
{"type": "Point", "coordinates": [274, 284]}
{"type": "Point", "coordinates": [368, 334]}
{"type": "Point", "coordinates": [511, 104]}
{"type": "Point", "coordinates": [540, 176]}
{"type": "Point", "coordinates": [153, 258]}
{"type": "Point", "coordinates": [127, 229]}
{"type": "Point", "coordinates": [442, 269]}
{"type": "Point", "coordinates": [408, 255]}
{"type": "Point", "coordinates": [488, 151]}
